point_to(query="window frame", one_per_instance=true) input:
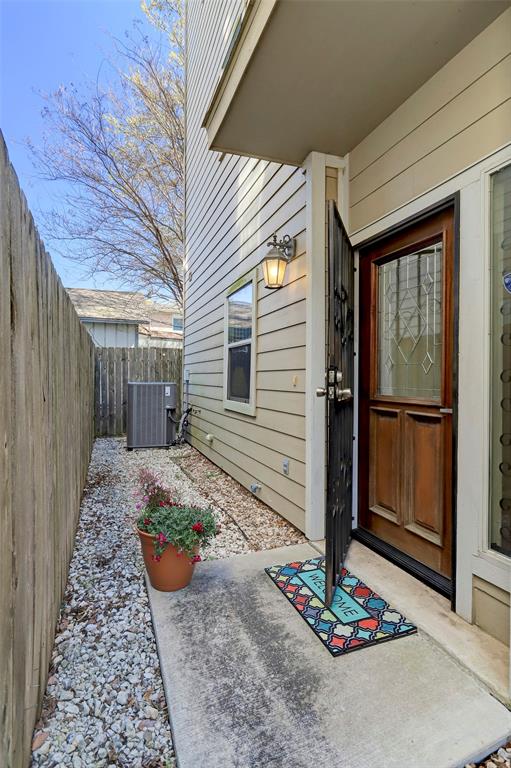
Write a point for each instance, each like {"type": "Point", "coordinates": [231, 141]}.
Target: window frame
{"type": "Point", "coordinates": [235, 405]}
{"type": "Point", "coordinates": [178, 317]}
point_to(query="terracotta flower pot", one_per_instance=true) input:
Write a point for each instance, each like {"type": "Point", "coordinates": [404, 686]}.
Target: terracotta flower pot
{"type": "Point", "coordinates": [172, 572]}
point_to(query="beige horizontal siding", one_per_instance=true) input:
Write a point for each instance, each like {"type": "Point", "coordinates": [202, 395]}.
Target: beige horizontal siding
{"type": "Point", "coordinates": [228, 461]}
{"type": "Point", "coordinates": [245, 250]}
{"type": "Point", "coordinates": [286, 423]}
{"type": "Point", "coordinates": [234, 205]}
{"type": "Point", "coordinates": [491, 609]}
{"type": "Point", "coordinates": [280, 380]}
{"type": "Point", "coordinates": [285, 444]}
{"type": "Point", "coordinates": [460, 115]}
{"type": "Point", "coordinates": [282, 360]}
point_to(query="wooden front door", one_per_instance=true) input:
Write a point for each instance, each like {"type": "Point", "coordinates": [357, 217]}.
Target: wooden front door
{"type": "Point", "coordinates": [406, 392]}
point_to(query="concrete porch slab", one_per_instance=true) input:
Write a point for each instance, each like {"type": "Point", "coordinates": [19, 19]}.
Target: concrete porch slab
{"type": "Point", "coordinates": [484, 656]}
{"type": "Point", "coordinates": [250, 686]}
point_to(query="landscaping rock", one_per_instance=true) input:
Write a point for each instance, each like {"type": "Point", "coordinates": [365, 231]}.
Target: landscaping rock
{"type": "Point", "coordinates": [122, 698]}
{"type": "Point", "coordinates": [88, 711]}
{"type": "Point", "coordinates": [39, 740]}
{"type": "Point", "coordinates": [500, 759]}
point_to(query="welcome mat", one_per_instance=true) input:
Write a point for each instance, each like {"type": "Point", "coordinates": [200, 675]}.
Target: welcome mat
{"type": "Point", "coordinates": [357, 618]}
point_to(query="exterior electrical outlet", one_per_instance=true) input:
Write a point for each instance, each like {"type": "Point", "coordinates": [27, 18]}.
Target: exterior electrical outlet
{"type": "Point", "coordinates": [152, 410]}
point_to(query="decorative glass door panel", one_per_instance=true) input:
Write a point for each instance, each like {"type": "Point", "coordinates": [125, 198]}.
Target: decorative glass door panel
{"type": "Point", "coordinates": [409, 336]}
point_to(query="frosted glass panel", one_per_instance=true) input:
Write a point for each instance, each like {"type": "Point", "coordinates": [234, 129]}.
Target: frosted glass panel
{"type": "Point", "coordinates": [409, 330]}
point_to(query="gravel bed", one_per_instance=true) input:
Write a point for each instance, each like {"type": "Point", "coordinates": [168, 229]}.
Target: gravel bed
{"type": "Point", "coordinates": [104, 704]}
{"type": "Point", "coordinates": [260, 526]}
{"type": "Point", "coordinates": [499, 759]}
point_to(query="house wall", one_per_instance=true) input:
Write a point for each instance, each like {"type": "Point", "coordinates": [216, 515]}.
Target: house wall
{"type": "Point", "coordinates": [457, 117]}
{"type": "Point", "coordinates": [234, 205]}
{"type": "Point", "coordinates": [491, 609]}
{"type": "Point", "coordinates": [112, 334]}
{"type": "Point", "coordinates": [443, 139]}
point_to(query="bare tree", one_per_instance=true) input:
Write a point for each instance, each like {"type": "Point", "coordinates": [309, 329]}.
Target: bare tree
{"type": "Point", "coordinates": [118, 148]}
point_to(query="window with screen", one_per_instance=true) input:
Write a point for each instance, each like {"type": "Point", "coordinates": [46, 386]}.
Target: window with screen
{"type": "Point", "coordinates": [239, 352]}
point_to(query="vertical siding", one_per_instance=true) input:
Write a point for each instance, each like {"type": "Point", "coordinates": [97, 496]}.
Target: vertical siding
{"type": "Point", "coordinates": [460, 115]}
{"type": "Point", "coordinates": [234, 205]}
{"type": "Point", "coordinates": [112, 334]}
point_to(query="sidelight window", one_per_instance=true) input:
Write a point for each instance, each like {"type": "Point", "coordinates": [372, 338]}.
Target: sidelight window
{"type": "Point", "coordinates": [500, 466]}
{"type": "Point", "coordinates": [239, 358]}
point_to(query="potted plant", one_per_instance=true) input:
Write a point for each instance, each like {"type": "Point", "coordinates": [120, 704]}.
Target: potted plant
{"type": "Point", "coordinates": [171, 534]}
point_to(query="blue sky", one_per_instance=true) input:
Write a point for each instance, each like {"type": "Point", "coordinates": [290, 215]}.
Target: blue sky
{"type": "Point", "coordinates": [43, 44]}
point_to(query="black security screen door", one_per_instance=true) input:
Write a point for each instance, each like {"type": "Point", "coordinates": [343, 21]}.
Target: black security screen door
{"type": "Point", "coordinates": [339, 389]}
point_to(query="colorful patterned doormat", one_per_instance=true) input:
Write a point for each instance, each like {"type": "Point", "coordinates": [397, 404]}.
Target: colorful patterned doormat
{"type": "Point", "coordinates": [357, 618]}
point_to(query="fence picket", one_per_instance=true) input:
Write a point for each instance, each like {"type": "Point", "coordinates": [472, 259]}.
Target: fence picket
{"type": "Point", "coordinates": [46, 432]}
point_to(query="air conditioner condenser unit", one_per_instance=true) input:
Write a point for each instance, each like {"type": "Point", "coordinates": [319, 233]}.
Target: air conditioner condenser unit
{"type": "Point", "coordinates": [152, 409]}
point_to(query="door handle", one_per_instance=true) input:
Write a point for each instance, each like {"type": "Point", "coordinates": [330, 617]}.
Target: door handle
{"type": "Point", "coordinates": [340, 394]}
{"type": "Point", "coordinates": [343, 394]}
{"type": "Point", "coordinates": [446, 410]}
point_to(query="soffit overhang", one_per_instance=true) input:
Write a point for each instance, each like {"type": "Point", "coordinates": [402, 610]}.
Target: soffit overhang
{"type": "Point", "coordinates": [320, 75]}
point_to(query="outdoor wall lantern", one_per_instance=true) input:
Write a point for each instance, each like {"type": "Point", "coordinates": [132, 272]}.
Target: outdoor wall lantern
{"type": "Point", "coordinates": [275, 262]}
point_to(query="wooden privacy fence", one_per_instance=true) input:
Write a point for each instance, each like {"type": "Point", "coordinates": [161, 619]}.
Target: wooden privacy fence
{"type": "Point", "coordinates": [114, 367]}
{"type": "Point", "coordinates": [46, 435]}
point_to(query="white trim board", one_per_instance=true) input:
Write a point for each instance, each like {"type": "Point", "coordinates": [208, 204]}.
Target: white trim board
{"type": "Point", "coordinates": [315, 167]}
{"type": "Point", "coordinates": [315, 427]}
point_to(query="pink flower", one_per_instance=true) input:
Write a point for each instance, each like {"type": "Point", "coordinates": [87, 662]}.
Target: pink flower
{"type": "Point", "coordinates": [161, 538]}
{"type": "Point", "coordinates": [162, 503]}
{"type": "Point", "coordinates": [198, 527]}
{"type": "Point", "coordinates": [196, 559]}
{"type": "Point", "coordinates": [147, 521]}
{"type": "Point", "coordinates": [145, 498]}
{"type": "Point", "coordinates": [157, 558]}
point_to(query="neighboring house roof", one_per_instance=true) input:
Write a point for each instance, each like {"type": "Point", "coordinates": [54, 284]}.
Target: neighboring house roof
{"type": "Point", "coordinates": [153, 318]}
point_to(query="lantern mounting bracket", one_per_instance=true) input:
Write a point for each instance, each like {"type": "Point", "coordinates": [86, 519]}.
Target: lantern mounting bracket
{"type": "Point", "coordinates": [286, 246]}
{"type": "Point", "coordinates": [275, 262]}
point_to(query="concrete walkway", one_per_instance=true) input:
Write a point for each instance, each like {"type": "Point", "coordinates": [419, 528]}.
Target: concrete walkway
{"type": "Point", "coordinates": [250, 686]}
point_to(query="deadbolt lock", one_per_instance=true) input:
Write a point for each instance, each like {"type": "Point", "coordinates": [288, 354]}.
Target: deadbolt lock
{"type": "Point", "coordinates": [334, 376]}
